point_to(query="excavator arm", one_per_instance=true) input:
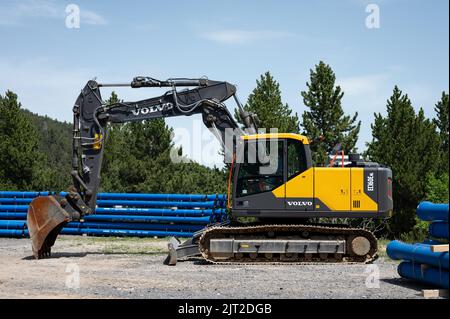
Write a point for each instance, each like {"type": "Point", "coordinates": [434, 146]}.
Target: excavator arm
{"type": "Point", "coordinates": [91, 115]}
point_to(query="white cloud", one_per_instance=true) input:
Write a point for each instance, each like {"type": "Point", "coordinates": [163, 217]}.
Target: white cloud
{"type": "Point", "coordinates": [365, 94]}
{"type": "Point", "coordinates": [377, 88]}
{"type": "Point", "coordinates": [362, 85]}
{"type": "Point", "coordinates": [37, 8]}
{"type": "Point", "coordinates": [243, 36]}
{"type": "Point", "coordinates": [90, 17]}
{"type": "Point", "coordinates": [14, 15]}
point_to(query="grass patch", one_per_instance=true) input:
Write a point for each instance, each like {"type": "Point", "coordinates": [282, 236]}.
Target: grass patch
{"type": "Point", "coordinates": [132, 250]}
{"type": "Point", "coordinates": [94, 240]}
{"type": "Point", "coordinates": [382, 243]}
{"type": "Point", "coordinates": [119, 245]}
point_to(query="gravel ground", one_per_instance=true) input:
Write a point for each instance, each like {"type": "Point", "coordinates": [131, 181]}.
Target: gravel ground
{"type": "Point", "coordinates": [132, 268]}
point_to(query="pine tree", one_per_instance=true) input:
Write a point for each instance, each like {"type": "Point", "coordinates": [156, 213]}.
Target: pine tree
{"type": "Point", "coordinates": [437, 188]}
{"type": "Point", "coordinates": [407, 143]}
{"type": "Point", "coordinates": [441, 122]}
{"type": "Point", "coordinates": [265, 102]}
{"type": "Point", "coordinates": [149, 138]}
{"type": "Point", "coordinates": [114, 153]}
{"type": "Point", "coordinates": [325, 117]}
{"type": "Point", "coordinates": [18, 145]}
{"type": "Point", "coordinates": [54, 160]}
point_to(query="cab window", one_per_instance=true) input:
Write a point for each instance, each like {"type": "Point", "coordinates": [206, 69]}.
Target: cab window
{"type": "Point", "coordinates": [255, 177]}
{"type": "Point", "coordinates": [296, 158]}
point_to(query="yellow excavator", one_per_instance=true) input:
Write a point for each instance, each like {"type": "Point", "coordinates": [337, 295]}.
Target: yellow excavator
{"type": "Point", "coordinates": [272, 178]}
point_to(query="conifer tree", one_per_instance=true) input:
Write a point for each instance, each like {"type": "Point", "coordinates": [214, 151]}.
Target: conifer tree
{"type": "Point", "coordinates": [441, 122]}
{"type": "Point", "coordinates": [265, 101]}
{"type": "Point", "coordinates": [409, 144]}
{"type": "Point", "coordinates": [18, 145]}
{"type": "Point", "coordinates": [325, 118]}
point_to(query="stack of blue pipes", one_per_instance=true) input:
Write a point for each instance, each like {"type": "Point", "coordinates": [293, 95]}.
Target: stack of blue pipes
{"type": "Point", "coordinates": [124, 214]}
{"type": "Point", "coordinates": [420, 263]}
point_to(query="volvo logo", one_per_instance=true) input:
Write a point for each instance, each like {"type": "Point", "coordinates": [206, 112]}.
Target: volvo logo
{"type": "Point", "coordinates": [299, 203]}
{"type": "Point", "coordinates": [152, 109]}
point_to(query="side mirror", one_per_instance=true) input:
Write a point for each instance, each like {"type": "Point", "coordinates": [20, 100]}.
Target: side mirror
{"type": "Point", "coordinates": [337, 148]}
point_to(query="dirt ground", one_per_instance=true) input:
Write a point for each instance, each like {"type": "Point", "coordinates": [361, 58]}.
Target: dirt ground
{"type": "Point", "coordinates": [89, 267]}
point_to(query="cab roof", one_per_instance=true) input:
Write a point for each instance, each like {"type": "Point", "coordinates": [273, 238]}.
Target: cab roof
{"type": "Point", "coordinates": [292, 136]}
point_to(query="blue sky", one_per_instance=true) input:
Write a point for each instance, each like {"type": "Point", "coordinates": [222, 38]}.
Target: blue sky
{"type": "Point", "coordinates": [47, 64]}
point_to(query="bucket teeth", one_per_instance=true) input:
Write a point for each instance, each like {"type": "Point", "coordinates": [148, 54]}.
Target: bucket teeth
{"type": "Point", "coordinates": [44, 252]}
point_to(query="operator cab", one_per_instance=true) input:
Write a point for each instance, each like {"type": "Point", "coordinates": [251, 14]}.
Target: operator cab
{"type": "Point", "coordinates": [285, 184]}
{"type": "Point", "coordinates": [257, 179]}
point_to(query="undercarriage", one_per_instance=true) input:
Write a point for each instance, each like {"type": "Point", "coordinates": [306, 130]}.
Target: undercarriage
{"type": "Point", "coordinates": [284, 243]}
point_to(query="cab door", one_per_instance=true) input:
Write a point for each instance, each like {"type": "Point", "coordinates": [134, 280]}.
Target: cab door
{"type": "Point", "coordinates": [255, 182]}
{"type": "Point", "coordinates": [300, 178]}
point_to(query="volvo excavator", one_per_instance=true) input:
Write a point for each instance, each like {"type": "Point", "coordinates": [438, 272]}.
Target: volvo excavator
{"type": "Point", "coordinates": [272, 179]}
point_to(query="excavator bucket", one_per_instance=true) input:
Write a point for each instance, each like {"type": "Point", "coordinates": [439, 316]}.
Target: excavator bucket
{"type": "Point", "coordinates": [46, 217]}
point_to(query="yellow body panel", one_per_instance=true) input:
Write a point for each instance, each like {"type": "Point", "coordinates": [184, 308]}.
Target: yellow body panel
{"type": "Point", "coordinates": [332, 187]}
{"type": "Point", "coordinates": [301, 186]}
{"type": "Point", "coordinates": [360, 200]}
{"type": "Point", "coordinates": [339, 189]}
{"type": "Point", "coordinates": [280, 191]}
{"type": "Point", "coordinates": [267, 136]}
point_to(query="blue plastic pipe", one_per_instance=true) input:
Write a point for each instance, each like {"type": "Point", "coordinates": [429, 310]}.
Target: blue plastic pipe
{"type": "Point", "coordinates": [124, 202]}
{"type": "Point", "coordinates": [13, 233]}
{"type": "Point", "coordinates": [419, 253]}
{"type": "Point", "coordinates": [12, 224]}
{"type": "Point", "coordinates": [164, 197]}
{"type": "Point", "coordinates": [12, 200]}
{"type": "Point", "coordinates": [134, 226]}
{"type": "Point", "coordinates": [16, 216]}
{"type": "Point", "coordinates": [123, 232]}
{"type": "Point", "coordinates": [148, 219]}
{"type": "Point", "coordinates": [170, 214]}
{"type": "Point", "coordinates": [129, 210]}
{"type": "Point", "coordinates": [216, 216]}
{"type": "Point", "coordinates": [157, 211]}
{"type": "Point", "coordinates": [426, 274]}
{"type": "Point", "coordinates": [18, 233]}
{"type": "Point", "coordinates": [111, 202]}
{"type": "Point", "coordinates": [22, 194]}
{"type": "Point", "coordinates": [126, 210]}
{"type": "Point", "coordinates": [439, 229]}
{"type": "Point", "coordinates": [429, 211]}
{"type": "Point", "coordinates": [433, 242]}
{"type": "Point", "coordinates": [182, 197]}
{"type": "Point", "coordinates": [13, 208]}
{"type": "Point", "coordinates": [8, 212]}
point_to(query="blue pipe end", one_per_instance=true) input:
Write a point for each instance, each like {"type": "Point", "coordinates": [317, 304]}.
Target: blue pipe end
{"type": "Point", "coordinates": [429, 211]}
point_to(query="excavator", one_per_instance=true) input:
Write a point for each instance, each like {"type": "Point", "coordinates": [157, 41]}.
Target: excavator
{"type": "Point", "coordinates": [272, 179]}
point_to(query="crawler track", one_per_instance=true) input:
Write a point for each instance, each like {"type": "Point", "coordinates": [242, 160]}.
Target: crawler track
{"type": "Point", "coordinates": [271, 232]}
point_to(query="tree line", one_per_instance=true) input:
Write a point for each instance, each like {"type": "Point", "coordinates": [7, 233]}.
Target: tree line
{"type": "Point", "coordinates": [35, 151]}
